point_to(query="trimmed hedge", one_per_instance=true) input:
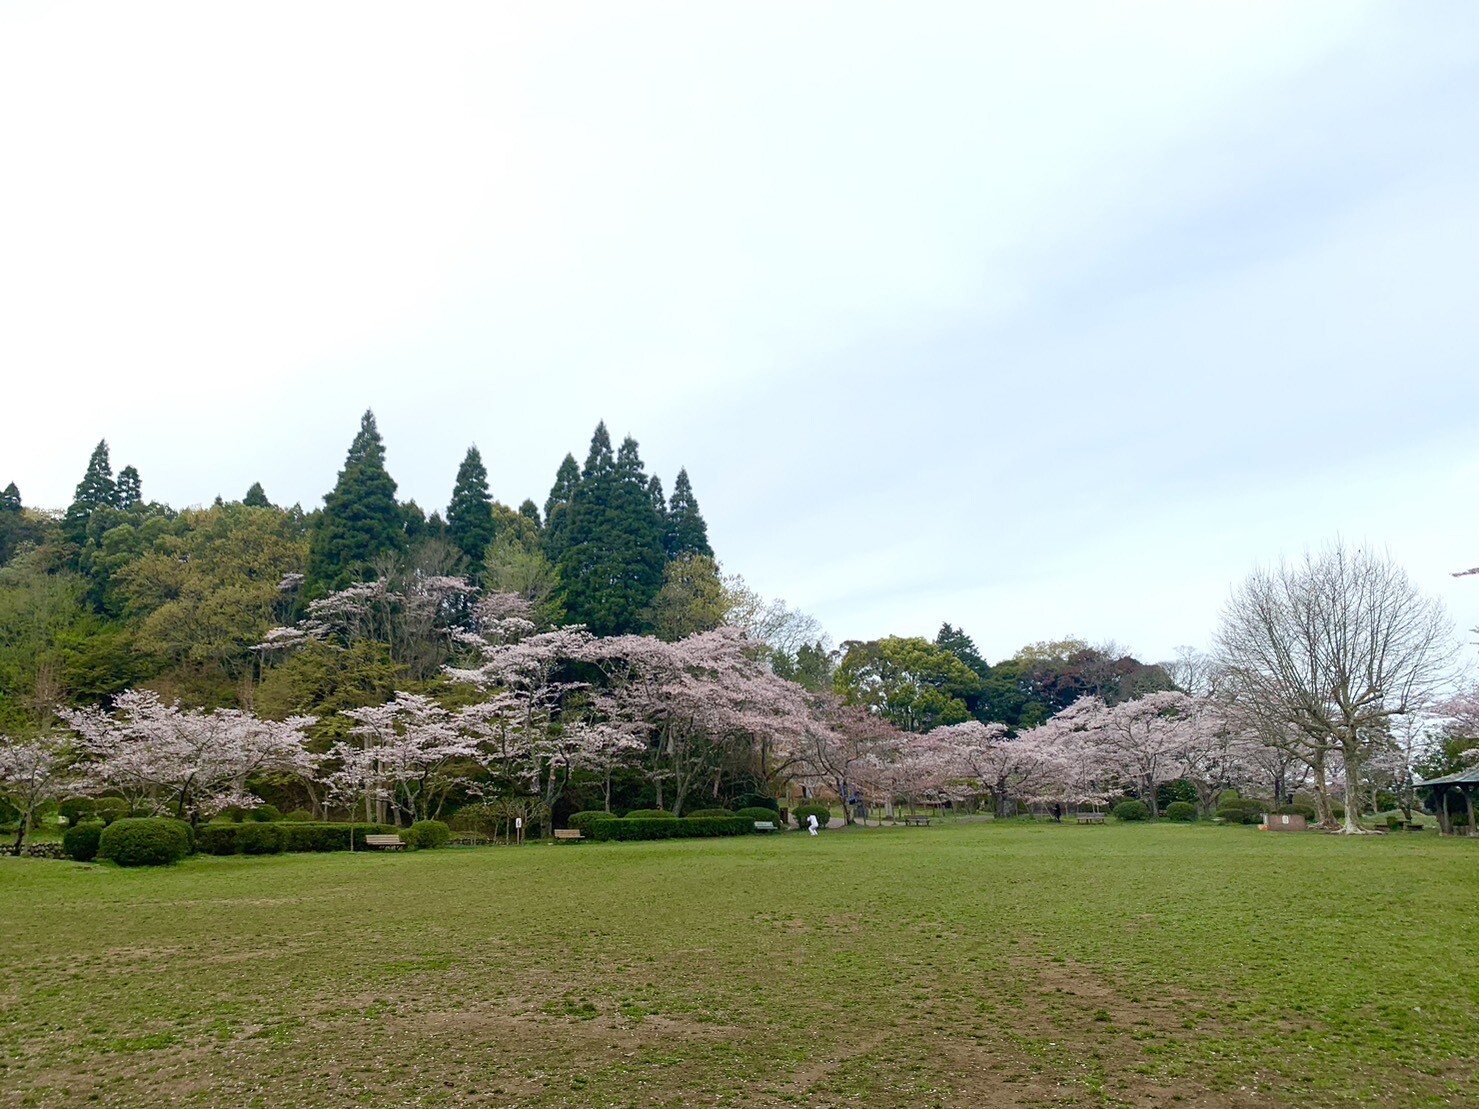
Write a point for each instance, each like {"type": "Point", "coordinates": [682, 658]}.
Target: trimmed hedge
{"type": "Point", "coordinates": [425, 835]}
{"type": "Point", "coordinates": [266, 814]}
{"type": "Point", "coordinates": [294, 835]}
{"type": "Point", "coordinates": [759, 813]}
{"type": "Point", "coordinates": [80, 842]}
{"type": "Point", "coordinates": [650, 814]}
{"type": "Point", "coordinates": [1131, 810]}
{"type": "Point", "coordinates": [144, 841]}
{"type": "Point", "coordinates": [1244, 810]}
{"type": "Point", "coordinates": [259, 838]}
{"type": "Point", "coordinates": [668, 828]}
{"type": "Point", "coordinates": [708, 812]}
{"type": "Point", "coordinates": [1183, 811]}
{"type": "Point", "coordinates": [581, 821]}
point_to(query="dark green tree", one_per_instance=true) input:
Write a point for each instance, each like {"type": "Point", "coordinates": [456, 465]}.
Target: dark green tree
{"type": "Point", "coordinates": [360, 519]}
{"type": "Point", "coordinates": [470, 513]}
{"type": "Point", "coordinates": [10, 499]}
{"type": "Point", "coordinates": [963, 647]}
{"type": "Point", "coordinates": [530, 511]}
{"type": "Point", "coordinates": [97, 489]}
{"type": "Point", "coordinates": [130, 489]}
{"type": "Point", "coordinates": [256, 497]}
{"type": "Point", "coordinates": [612, 567]}
{"type": "Point", "coordinates": [686, 532]}
{"type": "Point", "coordinates": [557, 507]}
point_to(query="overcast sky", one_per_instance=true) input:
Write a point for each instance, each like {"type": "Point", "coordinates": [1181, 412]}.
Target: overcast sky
{"type": "Point", "coordinates": [1043, 319]}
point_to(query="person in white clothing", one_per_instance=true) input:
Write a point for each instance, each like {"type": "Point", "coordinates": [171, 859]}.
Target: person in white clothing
{"type": "Point", "coordinates": [811, 823]}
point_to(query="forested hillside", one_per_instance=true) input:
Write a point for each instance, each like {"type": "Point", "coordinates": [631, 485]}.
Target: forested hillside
{"type": "Point", "coordinates": [122, 591]}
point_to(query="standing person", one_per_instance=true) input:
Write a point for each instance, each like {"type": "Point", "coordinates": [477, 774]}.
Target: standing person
{"type": "Point", "coordinates": [1057, 812]}
{"type": "Point", "coordinates": [811, 823]}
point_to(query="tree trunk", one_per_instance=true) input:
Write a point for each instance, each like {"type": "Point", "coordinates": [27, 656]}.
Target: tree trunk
{"type": "Point", "coordinates": [1469, 805]}
{"type": "Point", "coordinates": [1440, 809]}
{"type": "Point", "coordinates": [1322, 792]}
{"type": "Point", "coordinates": [1352, 799]}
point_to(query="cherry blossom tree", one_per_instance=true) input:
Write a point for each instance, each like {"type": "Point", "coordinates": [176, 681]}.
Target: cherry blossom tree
{"type": "Point", "coordinates": [835, 752]}
{"type": "Point", "coordinates": [163, 758]}
{"type": "Point", "coordinates": [33, 772]}
{"type": "Point", "coordinates": [996, 762]}
{"type": "Point", "coordinates": [409, 754]}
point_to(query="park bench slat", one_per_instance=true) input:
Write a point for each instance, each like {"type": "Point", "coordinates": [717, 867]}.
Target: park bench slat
{"type": "Point", "coordinates": [568, 833]}
{"type": "Point", "coordinates": [390, 843]}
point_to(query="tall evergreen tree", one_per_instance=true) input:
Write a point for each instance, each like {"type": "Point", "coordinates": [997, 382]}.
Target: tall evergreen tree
{"type": "Point", "coordinates": [530, 511]}
{"type": "Point", "coordinates": [10, 499]}
{"type": "Point", "coordinates": [686, 532]}
{"type": "Point", "coordinates": [612, 567]}
{"type": "Point", "coordinates": [97, 489]}
{"type": "Point", "coordinates": [557, 508]}
{"type": "Point", "coordinates": [130, 489]}
{"type": "Point", "coordinates": [360, 518]}
{"type": "Point", "coordinates": [470, 513]}
{"type": "Point", "coordinates": [962, 647]}
{"type": "Point", "coordinates": [659, 503]}
{"type": "Point", "coordinates": [256, 497]}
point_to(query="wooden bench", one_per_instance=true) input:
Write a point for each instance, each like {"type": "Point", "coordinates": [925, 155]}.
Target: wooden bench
{"type": "Point", "coordinates": [1089, 817]}
{"type": "Point", "coordinates": [917, 821]}
{"type": "Point", "coordinates": [764, 826]}
{"type": "Point", "coordinates": [386, 843]}
{"type": "Point", "coordinates": [571, 834]}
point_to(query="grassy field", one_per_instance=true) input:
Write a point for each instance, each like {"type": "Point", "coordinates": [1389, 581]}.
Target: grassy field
{"type": "Point", "coordinates": [971, 965]}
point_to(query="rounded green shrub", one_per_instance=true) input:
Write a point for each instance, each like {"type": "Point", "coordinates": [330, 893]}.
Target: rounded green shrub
{"type": "Point", "coordinates": [1246, 810]}
{"type": "Point", "coordinates": [109, 809]}
{"type": "Point", "coordinates": [427, 834]}
{"type": "Point", "coordinates": [80, 841]}
{"type": "Point", "coordinates": [258, 838]}
{"type": "Point", "coordinates": [649, 814]}
{"type": "Point", "coordinates": [709, 812]}
{"type": "Point", "coordinates": [299, 816]}
{"type": "Point", "coordinates": [1299, 808]}
{"type": "Point", "coordinates": [761, 813]}
{"type": "Point", "coordinates": [265, 813]}
{"type": "Point", "coordinates": [581, 821]}
{"type": "Point", "coordinates": [144, 841]}
{"type": "Point", "coordinates": [1182, 811]}
{"type": "Point", "coordinates": [1131, 810]}
{"type": "Point", "coordinates": [801, 812]}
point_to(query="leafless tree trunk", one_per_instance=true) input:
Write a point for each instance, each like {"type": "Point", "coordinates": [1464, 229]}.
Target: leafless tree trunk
{"type": "Point", "coordinates": [1330, 649]}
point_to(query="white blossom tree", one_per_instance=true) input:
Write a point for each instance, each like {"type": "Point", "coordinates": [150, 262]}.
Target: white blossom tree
{"type": "Point", "coordinates": [166, 759]}
{"type": "Point", "coordinates": [33, 772]}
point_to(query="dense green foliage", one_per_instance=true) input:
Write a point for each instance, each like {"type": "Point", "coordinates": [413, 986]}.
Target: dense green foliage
{"type": "Point", "coordinates": [581, 821]}
{"type": "Point", "coordinates": [256, 838]}
{"type": "Point", "coordinates": [80, 841]}
{"type": "Point", "coordinates": [755, 813]}
{"type": "Point", "coordinates": [1131, 811]}
{"type": "Point", "coordinates": [1182, 811]}
{"type": "Point", "coordinates": [1246, 810]}
{"type": "Point", "coordinates": [360, 520]}
{"type": "Point", "coordinates": [639, 828]}
{"type": "Point", "coordinates": [427, 834]}
{"type": "Point", "coordinates": [144, 841]}
{"type": "Point", "coordinates": [650, 814]}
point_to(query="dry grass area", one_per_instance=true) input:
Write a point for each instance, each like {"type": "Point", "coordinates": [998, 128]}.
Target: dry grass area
{"type": "Point", "coordinates": [1010, 965]}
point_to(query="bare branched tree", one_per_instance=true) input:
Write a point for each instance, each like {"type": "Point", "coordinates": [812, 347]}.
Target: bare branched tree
{"type": "Point", "coordinates": [1330, 650]}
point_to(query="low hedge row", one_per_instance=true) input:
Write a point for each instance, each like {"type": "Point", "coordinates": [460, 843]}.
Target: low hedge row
{"type": "Point", "coordinates": [758, 812]}
{"type": "Point", "coordinates": [254, 838]}
{"type": "Point", "coordinates": [688, 827]}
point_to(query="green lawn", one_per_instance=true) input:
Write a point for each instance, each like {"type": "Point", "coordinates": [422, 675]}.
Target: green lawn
{"type": "Point", "coordinates": [966, 965]}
